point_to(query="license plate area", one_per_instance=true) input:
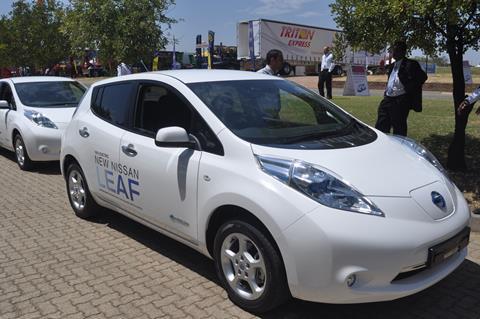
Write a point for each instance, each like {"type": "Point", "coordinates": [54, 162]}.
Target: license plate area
{"type": "Point", "coordinates": [440, 252]}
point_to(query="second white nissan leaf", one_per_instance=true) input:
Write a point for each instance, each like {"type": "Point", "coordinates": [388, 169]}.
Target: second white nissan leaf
{"type": "Point", "coordinates": [34, 111]}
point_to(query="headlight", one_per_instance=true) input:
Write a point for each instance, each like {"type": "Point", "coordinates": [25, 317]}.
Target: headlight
{"type": "Point", "coordinates": [319, 185]}
{"type": "Point", "coordinates": [421, 151]}
{"type": "Point", "coordinates": [39, 119]}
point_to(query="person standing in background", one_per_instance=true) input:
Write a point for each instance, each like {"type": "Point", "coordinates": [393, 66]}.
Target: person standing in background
{"type": "Point", "coordinates": [469, 101]}
{"type": "Point", "coordinates": [326, 69]}
{"type": "Point", "coordinates": [274, 62]}
{"type": "Point", "coordinates": [403, 92]}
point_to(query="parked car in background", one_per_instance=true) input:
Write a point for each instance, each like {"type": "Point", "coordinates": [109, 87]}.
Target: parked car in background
{"type": "Point", "coordinates": [34, 111]}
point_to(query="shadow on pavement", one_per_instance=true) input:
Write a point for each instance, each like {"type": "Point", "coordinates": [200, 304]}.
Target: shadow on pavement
{"type": "Point", "coordinates": [7, 154]}
{"type": "Point", "coordinates": [162, 244]}
{"type": "Point", "coordinates": [457, 296]}
{"type": "Point", "coordinates": [44, 168]}
{"type": "Point", "coordinates": [47, 168]}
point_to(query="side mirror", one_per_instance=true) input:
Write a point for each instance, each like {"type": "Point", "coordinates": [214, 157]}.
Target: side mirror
{"type": "Point", "coordinates": [173, 136]}
{"type": "Point", "coordinates": [4, 105]}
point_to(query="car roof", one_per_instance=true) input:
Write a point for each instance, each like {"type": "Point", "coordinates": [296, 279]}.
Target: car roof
{"type": "Point", "coordinates": [192, 76]}
{"type": "Point", "coordinates": [195, 76]}
{"type": "Point", "coordinates": [33, 79]}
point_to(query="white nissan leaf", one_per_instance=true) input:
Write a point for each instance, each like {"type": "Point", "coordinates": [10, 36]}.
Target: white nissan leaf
{"type": "Point", "coordinates": [289, 194]}
{"type": "Point", "coordinates": [34, 111]}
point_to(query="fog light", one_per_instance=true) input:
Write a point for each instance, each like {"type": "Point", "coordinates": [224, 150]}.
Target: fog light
{"type": "Point", "coordinates": [351, 280]}
{"type": "Point", "coordinates": [43, 149]}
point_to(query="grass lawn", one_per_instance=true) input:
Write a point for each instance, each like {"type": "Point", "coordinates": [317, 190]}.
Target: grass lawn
{"type": "Point", "coordinates": [433, 128]}
{"type": "Point", "coordinates": [432, 78]}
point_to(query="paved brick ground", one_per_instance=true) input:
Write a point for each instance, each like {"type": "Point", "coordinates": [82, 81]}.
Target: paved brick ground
{"type": "Point", "coordinates": [54, 265]}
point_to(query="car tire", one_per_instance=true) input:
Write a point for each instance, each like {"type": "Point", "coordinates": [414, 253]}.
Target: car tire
{"type": "Point", "coordinates": [79, 195]}
{"type": "Point", "coordinates": [337, 70]}
{"type": "Point", "coordinates": [21, 154]}
{"type": "Point", "coordinates": [250, 267]}
{"type": "Point", "coordinates": [286, 69]}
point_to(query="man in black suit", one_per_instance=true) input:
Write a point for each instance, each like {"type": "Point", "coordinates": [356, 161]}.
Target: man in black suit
{"type": "Point", "coordinates": [403, 92]}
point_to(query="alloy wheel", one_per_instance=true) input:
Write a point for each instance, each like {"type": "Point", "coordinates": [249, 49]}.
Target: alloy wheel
{"type": "Point", "coordinates": [243, 266]}
{"type": "Point", "coordinates": [76, 188]}
{"type": "Point", "coordinates": [20, 151]}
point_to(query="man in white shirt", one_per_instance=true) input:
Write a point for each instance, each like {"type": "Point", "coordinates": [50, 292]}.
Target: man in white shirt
{"type": "Point", "coordinates": [326, 69]}
{"type": "Point", "coordinates": [122, 69]}
{"type": "Point", "coordinates": [274, 62]}
{"type": "Point", "coordinates": [269, 102]}
{"type": "Point", "coordinates": [469, 101]}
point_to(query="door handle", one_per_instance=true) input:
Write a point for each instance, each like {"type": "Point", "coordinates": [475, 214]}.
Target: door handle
{"type": "Point", "coordinates": [129, 150]}
{"type": "Point", "coordinates": [84, 132]}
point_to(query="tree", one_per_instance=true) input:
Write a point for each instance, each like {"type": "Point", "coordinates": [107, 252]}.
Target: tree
{"type": "Point", "coordinates": [49, 45]}
{"type": "Point", "coordinates": [121, 30]}
{"type": "Point", "coordinates": [31, 34]}
{"type": "Point", "coordinates": [20, 42]}
{"type": "Point", "coordinates": [340, 46]}
{"type": "Point", "coordinates": [5, 36]}
{"type": "Point", "coordinates": [451, 26]}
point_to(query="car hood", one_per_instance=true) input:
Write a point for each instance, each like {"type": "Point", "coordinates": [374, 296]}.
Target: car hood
{"type": "Point", "coordinates": [381, 168]}
{"type": "Point", "coordinates": [55, 114]}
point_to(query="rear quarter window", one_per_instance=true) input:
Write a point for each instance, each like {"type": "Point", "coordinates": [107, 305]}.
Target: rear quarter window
{"type": "Point", "coordinates": [113, 103]}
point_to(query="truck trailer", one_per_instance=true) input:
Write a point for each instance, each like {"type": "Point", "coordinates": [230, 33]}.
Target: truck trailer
{"type": "Point", "coordinates": [301, 45]}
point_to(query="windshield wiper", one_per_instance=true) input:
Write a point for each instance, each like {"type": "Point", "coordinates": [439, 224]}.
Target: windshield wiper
{"type": "Point", "coordinates": [61, 103]}
{"type": "Point", "coordinates": [317, 135]}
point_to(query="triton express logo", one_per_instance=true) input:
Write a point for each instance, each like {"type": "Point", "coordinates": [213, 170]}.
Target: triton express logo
{"type": "Point", "coordinates": [300, 37]}
{"type": "Point", "coordinates": [116, 178]}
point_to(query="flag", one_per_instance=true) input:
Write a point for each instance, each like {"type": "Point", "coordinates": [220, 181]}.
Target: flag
{"type": "Point", "coordinates": [199, 51]}
{"type": "Point", "coordinates": [251, 43]}
{"type": "Point", "coordinates": [155, 60]}
{"type": "Point", "coordinates": [174, 60]}
{"type": "Point", "coordinates": [211, 40]}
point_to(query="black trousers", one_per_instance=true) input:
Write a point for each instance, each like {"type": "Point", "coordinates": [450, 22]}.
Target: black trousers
{"type": "Point", "coordinates": [325, 79]}
{"type": "Point", "coordinates": [393, 113]}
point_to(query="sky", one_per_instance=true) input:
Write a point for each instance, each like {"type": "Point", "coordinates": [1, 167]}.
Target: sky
{"type": "Point", "coordinates": [221, 16]}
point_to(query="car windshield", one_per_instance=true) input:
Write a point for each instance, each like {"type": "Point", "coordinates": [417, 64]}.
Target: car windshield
{"type": "Point", "coordinates": [50, 94]}
{"type": "Point", "coordinates": [273, 111]}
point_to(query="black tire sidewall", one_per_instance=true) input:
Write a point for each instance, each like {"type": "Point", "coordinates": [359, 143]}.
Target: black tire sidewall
{"type": "Point", "coordinates": [89, 210]}
{"type": "Point", "coordinates": [276, 289]}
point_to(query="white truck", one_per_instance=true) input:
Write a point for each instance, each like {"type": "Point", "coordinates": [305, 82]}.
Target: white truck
{"type": "Point", "coordinates": [301, 45]}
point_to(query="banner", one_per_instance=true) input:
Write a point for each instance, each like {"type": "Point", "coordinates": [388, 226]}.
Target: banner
{"type": "Point", "coordinates": [356, 84]}
{"type": "Point", "coordinates": [251, 44]}
{"type": "Point", "coordinates": [467, 72]}
{"type": "Point", "coordinates": [211, 40]}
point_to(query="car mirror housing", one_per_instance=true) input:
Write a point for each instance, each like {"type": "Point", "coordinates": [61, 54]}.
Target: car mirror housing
{"type": "Point", "coordinates": [4, 104]}
{"type": "Point", "coordinates": [173, 136]}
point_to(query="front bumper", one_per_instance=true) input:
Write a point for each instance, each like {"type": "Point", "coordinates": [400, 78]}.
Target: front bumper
{"type": "Point", "coordinates": [328, 246]}
{"type": "Point", "coordinates": [43, 144]}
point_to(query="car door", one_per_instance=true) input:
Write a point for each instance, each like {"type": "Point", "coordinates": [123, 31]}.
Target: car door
{"type": "Point", "coordinates": [165, 178]}
{"type": "Point", "coordinates": [6, 115]}
{"type": "Point", "coordinates": [100, 131]}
